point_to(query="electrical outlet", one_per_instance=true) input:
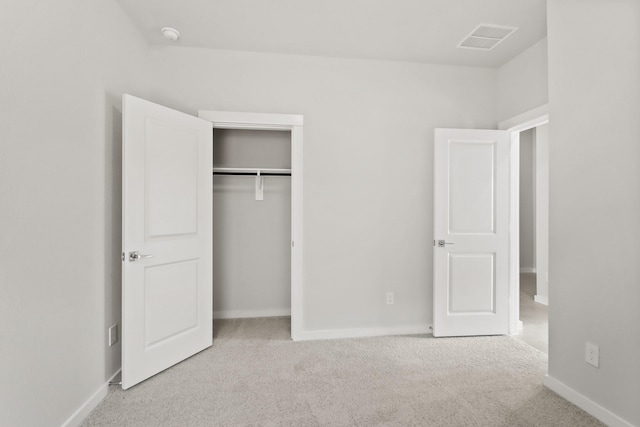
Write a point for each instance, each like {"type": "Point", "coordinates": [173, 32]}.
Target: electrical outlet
{"type": "Point", "coordinates": [113, 335]}
{"type": "Point", "coordinates": [592, 355]}
{"type": "Point", "coordinates": [390, 298]}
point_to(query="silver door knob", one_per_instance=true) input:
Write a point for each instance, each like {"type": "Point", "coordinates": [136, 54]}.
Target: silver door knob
{"type": "Point", "coordinates": [443, 243]}
{"type": "Point", "coordinates": [136, 256]}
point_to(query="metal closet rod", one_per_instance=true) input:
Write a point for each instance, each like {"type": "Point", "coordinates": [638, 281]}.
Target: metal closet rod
{"type": "Point", "coordinates": [251, 172]}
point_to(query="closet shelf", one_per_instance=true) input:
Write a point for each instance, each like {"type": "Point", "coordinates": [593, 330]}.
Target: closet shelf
{"type": "Point", "coordinates": [252, 171]}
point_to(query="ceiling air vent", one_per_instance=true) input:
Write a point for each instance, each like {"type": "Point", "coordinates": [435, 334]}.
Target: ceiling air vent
{"type": "Point", "coordinates": [486, 37]}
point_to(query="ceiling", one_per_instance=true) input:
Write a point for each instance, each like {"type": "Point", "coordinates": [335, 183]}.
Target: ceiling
{"type": "Point", "coordinates": [399, 30]}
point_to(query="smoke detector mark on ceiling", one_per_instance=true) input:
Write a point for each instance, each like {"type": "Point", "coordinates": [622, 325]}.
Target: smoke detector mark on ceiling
{"type": "Point", "coordinates": [170, 33]}
{"type": "Point", "coordinates": [486, 37]}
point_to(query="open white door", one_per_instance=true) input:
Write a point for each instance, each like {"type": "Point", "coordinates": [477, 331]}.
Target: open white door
{"type": "Point", "coordinates": [167, 192]}
{"type": "Point", "coordinates": [471, 232]}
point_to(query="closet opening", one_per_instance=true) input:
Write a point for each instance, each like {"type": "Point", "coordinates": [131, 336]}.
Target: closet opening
{"type": "Point", "coordinates": [251, 223]}
{"type": "Point", "coordinates": [257, 219]}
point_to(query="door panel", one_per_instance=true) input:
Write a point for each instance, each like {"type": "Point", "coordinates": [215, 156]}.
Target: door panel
{"type": "Point", "coordinates": [167, 207]}
{"type": "Point", "coordinates": [471, 216]}
{"type": "Point", "coordinates": [472, 201]}
{"type": "Point", "coordinates": [471, 283]}
{"type": "Point", "coordinates": [170, 300]}
{"type": "Point", "coordinates": [172, 198]}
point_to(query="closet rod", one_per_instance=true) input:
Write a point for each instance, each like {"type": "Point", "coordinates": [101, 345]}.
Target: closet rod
{"type": "Point", "coordinates": [253, 173]}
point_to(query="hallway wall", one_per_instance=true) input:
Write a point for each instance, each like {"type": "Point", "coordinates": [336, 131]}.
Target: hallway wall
{"type": "Point", "coordinates": [527, 201]}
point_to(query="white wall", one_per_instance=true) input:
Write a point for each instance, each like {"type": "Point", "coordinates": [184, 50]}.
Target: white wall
{"type": "Point", "coordinates": [527, 202]}
{"type": "Point", "coordinates": [368, 164]}
{"type": "Point", "coordinates": [251, 238]}
{"type": "Point", "coordinates": [594, 173]}
{"type": "Point", "coordinates": [522, 82]}
{"type": "Point", "coordinates": [542, 213]}
{"type": "Point", "coordinates": [62, 72]}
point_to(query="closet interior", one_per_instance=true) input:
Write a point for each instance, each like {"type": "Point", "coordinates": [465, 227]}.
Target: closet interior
{"type": "Point", "coordinates": [251, 223]}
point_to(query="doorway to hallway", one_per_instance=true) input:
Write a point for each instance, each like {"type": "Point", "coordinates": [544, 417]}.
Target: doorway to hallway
{"type": "Point", "coordinates": [533, 195]}
{"type": "Point", "coordinates": [534, 316]}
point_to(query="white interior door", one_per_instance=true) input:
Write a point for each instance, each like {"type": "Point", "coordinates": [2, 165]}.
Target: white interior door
{"type": "Point", "coordinates": [471, 232]}
{"type": "Point", "coordinates": [167, 192]}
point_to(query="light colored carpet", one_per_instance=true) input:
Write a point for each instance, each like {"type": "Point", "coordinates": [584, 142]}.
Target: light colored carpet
{"type": "Point", "coordinates": [255, 376]}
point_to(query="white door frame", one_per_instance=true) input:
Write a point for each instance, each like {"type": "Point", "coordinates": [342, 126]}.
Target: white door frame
{"type": "Point", "coordinates": [530, 119]}
{"type": "Point", "coordinates": [282, 122]}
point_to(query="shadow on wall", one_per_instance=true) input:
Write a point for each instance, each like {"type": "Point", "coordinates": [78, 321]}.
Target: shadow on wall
{"type": "Point", "coordinates": [112, 230]}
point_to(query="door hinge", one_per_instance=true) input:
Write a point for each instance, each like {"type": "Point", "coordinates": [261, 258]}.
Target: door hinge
{"type": "Point", "coordinates": [123, 257]}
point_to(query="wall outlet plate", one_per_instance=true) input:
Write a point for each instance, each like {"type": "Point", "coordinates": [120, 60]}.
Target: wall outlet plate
{"type": "Point", "coordinates": [113, 335]}
{"type": "Point", "coordinates": [390, 298]}
{"type": "Point", "coordinates": [592, 355]}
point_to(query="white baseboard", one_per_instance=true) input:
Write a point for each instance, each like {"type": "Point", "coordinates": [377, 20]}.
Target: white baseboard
{"type": "Point", "coordinates": [542, 300]}
{"type": "Point", "coordinates": [85, 409]}
{"type": "Point", "coordinates": [527, 270]}
{"type": "Point", "coordinates": [241, 314]}
{"type": "Point", "coordinates": [584, 403]}
{"type": "Point", "coordinates": [517, 329]}
{"type": "Point", "coordinates": [328, 334]}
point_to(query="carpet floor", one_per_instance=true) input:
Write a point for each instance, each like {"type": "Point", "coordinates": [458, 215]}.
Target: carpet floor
{"type": "Point", "coordinates": [254, 375]}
